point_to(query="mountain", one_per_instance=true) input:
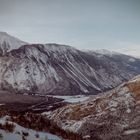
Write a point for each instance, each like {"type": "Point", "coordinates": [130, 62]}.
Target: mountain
{"type": "Point", "coordinates": [61, 69]}
{"type": "Point", "coordinates": [110, 116]}
{"type": "Point", "coordinates": [8, 42]}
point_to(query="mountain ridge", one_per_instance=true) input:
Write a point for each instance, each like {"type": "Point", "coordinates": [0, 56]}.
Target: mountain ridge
{"type": "Point", "coordinates": [62, 69]}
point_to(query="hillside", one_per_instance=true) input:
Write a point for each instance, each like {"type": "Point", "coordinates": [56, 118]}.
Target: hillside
{"type": "Point", "coordinates": [113, 115]}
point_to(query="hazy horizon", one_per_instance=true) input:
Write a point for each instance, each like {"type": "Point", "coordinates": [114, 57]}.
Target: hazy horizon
{"type": "Point", "coordinates": [88, 25]}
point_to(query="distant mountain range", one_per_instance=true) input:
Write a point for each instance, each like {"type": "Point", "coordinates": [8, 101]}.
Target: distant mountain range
{"type": "Point", "coordinates": [61, 69]}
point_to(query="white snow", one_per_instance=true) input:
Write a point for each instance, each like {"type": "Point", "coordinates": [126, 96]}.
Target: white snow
{"type": "Point", "coordinates": [106, 52]}
{"type": "Point", "coordinates": [58, 48]}
{"type": "Point", "coordinates": [113, 103]}
{"type": "Point", "coordinates": [19, 129]}
{"type": "Point", "coordinates": [73, 99]}
{"type": "Point", "coordinates": [129, 132]}
{"type": "Point", "coordinates": [128, 110]}
{"type": "Point", "coordinates": [135, 79]}
{"type": "Point", "coordinates": [10, 41]}
{"type": "Point", "coordinates": [132, 60]}
{"type": "Point", "coordinates": [72, 126]}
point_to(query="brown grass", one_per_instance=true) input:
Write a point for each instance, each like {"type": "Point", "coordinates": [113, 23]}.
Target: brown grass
{"type": "Point", "coordinates": [134, 87]}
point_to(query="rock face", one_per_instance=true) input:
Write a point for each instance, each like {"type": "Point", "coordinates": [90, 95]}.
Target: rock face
{"type": "Point", "coordinates": [61, 69]}
{"type": "Point", "coordinates": [113, 115]}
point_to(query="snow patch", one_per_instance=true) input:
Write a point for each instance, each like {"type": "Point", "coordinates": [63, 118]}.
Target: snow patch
{"type": "Point", "coordinates": [19, 129]}
{"type": "Point", "coordinates": [73, 99]}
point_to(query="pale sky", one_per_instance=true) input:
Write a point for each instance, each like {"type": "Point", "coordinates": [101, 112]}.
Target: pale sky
{"type": "Point", "coordinates": [84, 24]}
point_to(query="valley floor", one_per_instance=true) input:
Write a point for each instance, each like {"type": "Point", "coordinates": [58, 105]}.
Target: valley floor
{"type": "Point", "coordinates": [27, 113]}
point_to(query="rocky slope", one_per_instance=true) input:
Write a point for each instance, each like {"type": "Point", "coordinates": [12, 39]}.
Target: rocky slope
{"type": "Point", "coordinates": [61, 69]}
{"type": "Point", "coordinates": [113, 115]}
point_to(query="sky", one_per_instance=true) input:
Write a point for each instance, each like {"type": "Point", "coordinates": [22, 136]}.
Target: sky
{"type": "Point", "coordinates": [84, 24]}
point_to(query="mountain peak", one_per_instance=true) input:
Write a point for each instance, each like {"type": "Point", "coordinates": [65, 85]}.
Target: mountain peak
{"type": "Point", "coordinates": [3, 33]}
{"type": "Point", "coordinates": [8, 42]}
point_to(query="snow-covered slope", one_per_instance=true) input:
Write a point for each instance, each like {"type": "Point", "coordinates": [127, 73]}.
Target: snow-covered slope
{"type": "Point", "coordinates": [113, 115]}
{"type": "Point", "coordinates": [8, 42]}
{"type": "Point", "coordinates": [18, 131]}
{"type": "Point", "coordinates": [60, 69]}
{"type": "Point", "coordinates": [104, 52]}
{"type": "Point", "coordinates": [72, 99]}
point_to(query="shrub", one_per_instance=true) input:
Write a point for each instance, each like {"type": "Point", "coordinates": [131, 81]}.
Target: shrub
{"type": "Point", "coordinates": [7, 126]}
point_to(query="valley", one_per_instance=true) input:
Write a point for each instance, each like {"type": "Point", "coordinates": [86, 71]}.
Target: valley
{"type": "Point", "coordinates": [24, 117]}
{"type": "Point", "coordinates": [58, 92]}
{"type": "Point", "coordinates": [28, 103]}
{"type": "Point", "coordinates": [69, 69]}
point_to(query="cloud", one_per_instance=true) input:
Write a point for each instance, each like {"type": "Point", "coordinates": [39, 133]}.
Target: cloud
{"type": "Point", "coordinates": [85, 24]}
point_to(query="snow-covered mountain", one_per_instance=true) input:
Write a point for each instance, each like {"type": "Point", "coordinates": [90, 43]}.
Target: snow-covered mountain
{"type": "Point", "coordinates": [60, 69]}
{"type": "Point", "coordinates": [110, 116]}
{"type": "Point", "coordinates": [105, 52]}
{"type": "Point", "coordinates": [8, 42]}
